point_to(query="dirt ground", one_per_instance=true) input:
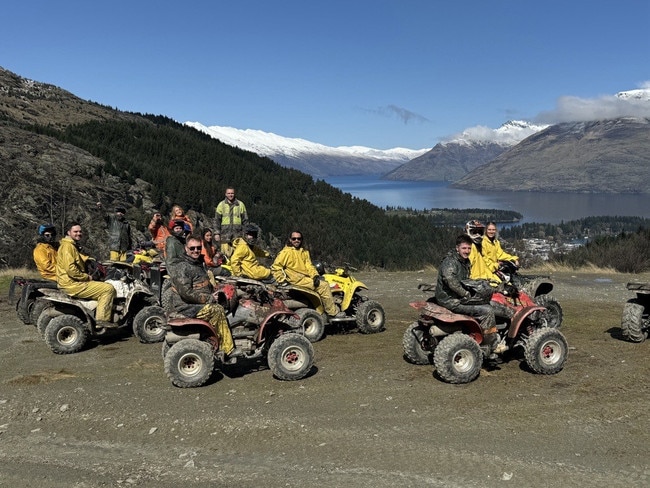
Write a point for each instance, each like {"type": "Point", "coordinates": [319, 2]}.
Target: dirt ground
{"type": "Point", "coordinates": [108, 416]}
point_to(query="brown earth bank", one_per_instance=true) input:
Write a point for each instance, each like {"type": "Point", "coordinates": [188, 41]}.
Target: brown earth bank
{"type": "Point", "coordinates": [108, 416]}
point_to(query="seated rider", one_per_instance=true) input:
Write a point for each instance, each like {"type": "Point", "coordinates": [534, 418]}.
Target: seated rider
{"type": "Point", "coordinates": [192, 294]}
{"type": "Point", "coordinates": [293, 265]}
{"type": "Point", "coordinates": [480, 271]}
{"type": "Point", "coordinates": [244, 261]}
{"type": "Point", "coordinates": [492, 251]}
{"type": "Point", "coordinates": [45, 251]}
{"type": "Point", "coordinates": [175, 243]}
{"type": "Point", "coordinates": [451, 294]}
{"type": "Point", "coordinates": [72, 278]}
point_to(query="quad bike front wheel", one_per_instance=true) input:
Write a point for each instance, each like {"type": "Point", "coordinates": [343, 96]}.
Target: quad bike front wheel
{"type": "Point", "coordinates": [290, 357]}
{"type": "Point", "coordinates": [45, 318]}
{"type": "Point", "coordinates": [554, 314]}
{"type": "Point", "coordinates": [546, 351]}
{"type": "Point", "coordinates": [418, 345]}
{"type": "Point", "coordinates": [632, 326]}
{"type": "Point", "coordinates": [458, 358]}
{"type": "Point", "coordinates": [66, 334]}
{"type": "Point", "coordinates": [23, 310]}
{"type": "Point", "coordinates": [148, 325]}
{"type": "Point", "coordinates": [36, 310]}
{"type": "Point", "coordinates": [189, 363]}
{"type": "Point", "coordinates": [312, 322]}
{"type": "Point", "coordinates": [370, 317]}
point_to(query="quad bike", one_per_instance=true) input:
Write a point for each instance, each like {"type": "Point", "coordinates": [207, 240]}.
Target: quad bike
{"type": "Point", "coordinates": [261, 326]}
{"type": "Point", "coordinates": [452, 342]}
{"type": "Point", "coordinates": [635, 323]}
{"type": "Point", "coordinates": [538, 287]}
{"type": "Point", "coordinates": [67, 323]}
{"type": "Point", "coordinates": [29, 294]}
{"type": "Point", "coordinates": [368, 315]}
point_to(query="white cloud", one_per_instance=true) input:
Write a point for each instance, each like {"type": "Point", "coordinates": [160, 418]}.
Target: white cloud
{"type": "Point", "coordinates": [632, 103]}
{"type": "Point", "coordinates": [401, 113]}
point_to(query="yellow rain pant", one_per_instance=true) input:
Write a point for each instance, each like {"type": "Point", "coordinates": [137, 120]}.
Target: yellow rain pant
{"type": "Point", "coordinates": [215, 314]}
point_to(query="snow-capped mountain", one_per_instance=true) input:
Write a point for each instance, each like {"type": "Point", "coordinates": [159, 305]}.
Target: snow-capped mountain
{"type": "Point", "coordinates": [310, 157]}
{"type": "Point", "coordinates": [458, 155]}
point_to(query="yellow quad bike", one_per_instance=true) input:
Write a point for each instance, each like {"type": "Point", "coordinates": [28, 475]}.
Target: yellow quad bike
{"type": "Point", "coordinates": [349, 294]}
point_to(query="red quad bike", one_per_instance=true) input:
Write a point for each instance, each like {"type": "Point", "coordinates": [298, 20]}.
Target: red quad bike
{"type": "Point", "coordinates": [261, 325]}
{"type": "Point", "coordinates": [452, 342]}
{"type": "Point", "coordinates": [635, 323]}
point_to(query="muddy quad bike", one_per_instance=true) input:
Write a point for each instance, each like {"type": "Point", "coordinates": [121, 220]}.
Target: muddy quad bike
{"type": "Point", "coordinates": [538, 287]}
{"type": "Point", "coordinates": [29, 289]}
{"type": "Point", "coordinates": [349, 295]}
{"type": "Point", "coordinates": [452, 342]}
{"type": "Point", "coordinates": [635, 323]}
{"type": "Point", "coordinates": [261, 327]}
{"type": "Point", "coordinates": [67, 323]}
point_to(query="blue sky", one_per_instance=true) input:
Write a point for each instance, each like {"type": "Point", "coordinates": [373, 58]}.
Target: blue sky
{"type": "Point", "coordinates": [383, 74]}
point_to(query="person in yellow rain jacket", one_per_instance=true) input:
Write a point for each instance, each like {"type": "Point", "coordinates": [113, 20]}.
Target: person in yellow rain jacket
{"type": "Point", "coordinates": [45, 251]}
{"type": "Point", "coordinates": [492, 251]}
{"type": "Point", "coordinates": [72, 278]}
{"type": "Point", "coordinates": [479, 268]}
{"type": "Point", "coordinates": [293, 265]}
{"type": "Point", "coordinates": [244, 261]}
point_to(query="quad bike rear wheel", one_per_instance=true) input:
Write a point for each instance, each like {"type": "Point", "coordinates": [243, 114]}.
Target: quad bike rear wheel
{"type": "Point", "coordinates": [45, 318]}
{"type": "Point", "coordinates": [313, 323]}
{"type": "Point", "coordinates": [290, 357]}
{"type": "Point", "coordinates": [546, 351]}
{"type": "Point", "coordinates": [418, 345]}
{"type": "Point", "coordinates": [554, 314]}
{"type": "Point", "coordinates": [370, 317]}
{"type": "Point", "coordinates": [189, 363]}
{"type": "Point", "coordinates": [458, 358]}
{"type": "Point", "coordinates": [66, 334]}
{"type": "Point", "coordinates": [632, 326]}
{"type": "Point", "coordinates": [148, 325]}
{"type": "Point", "coordinates": [36, 309]}
{"type": "Point", "coordinates": [23, 310]}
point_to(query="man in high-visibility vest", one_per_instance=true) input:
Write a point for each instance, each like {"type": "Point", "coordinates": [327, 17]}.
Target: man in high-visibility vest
{"type": "Point", "coordinates": [230, 219]}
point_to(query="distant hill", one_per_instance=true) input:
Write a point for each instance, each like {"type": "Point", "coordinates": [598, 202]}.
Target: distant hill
{"type": "Point", "coordinates": [605, 156]}
{"type": "Point", "coordinates": [309, 157]}
{"type": "Point", "coordinates": [453, 159]}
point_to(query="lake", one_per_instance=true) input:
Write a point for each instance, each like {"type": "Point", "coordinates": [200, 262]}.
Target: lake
{"type": "Point", "coordinates": [550, 208]}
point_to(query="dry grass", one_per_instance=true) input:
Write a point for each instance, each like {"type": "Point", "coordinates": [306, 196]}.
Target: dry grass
{"type": "Point", "coordinates": [547, 268]}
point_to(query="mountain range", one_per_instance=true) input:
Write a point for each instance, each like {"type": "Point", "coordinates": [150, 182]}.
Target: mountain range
{"type": "Point", "coordinates": [310, 157]}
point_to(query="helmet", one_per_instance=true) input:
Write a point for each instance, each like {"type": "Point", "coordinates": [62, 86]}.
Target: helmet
{"type": "Point", "coordinates": [319, 267]}
{"type": "Point", "coordinates": [252, 230]}
{"type": "Point", "coordinates": [475, 230]}
{"type": "Point", "coordinates": [43, 228]}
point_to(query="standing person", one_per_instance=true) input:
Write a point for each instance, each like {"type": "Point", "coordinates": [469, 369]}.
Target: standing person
{"type": "Point", "coordinates": [179, 214]}
{"type": "Point", "coordinates": [72, 278]}
{"type": "Point", "coordinates": [293, 265]}
{"type": "Point", "coordinates": [119, 233]}
{"type": "Point", "coordinates": [192, 294]}
{"type": "Point", "coordinates": [45, 251]}
{"type": "Point", "coordinates": [244, 258]}
{"type": "Point", "coordinates": [451, 294]}
{"type": "Point", "coordinates": [159, 232]}
{"type": "Point", "coordinates": [492, 251]}
{"type": "Point", "coordinates": [175, 243]}
{"type": "Point", "coordinates": [230, 219]}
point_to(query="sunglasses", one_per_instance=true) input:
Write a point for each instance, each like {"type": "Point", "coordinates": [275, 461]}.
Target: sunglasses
{"type": "Point", "coordinates": [296, 238]}
{"type": "Point", "coordinates": [47, 234]}
{"type": "Point", "coordinates": [195, 248]}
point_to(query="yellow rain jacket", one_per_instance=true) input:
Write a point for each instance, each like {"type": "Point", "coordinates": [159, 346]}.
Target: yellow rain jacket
{"type": "Point", "coordinates": [479, 269]}
{"type": "Point", "coordinates": [294, 266]}
{"type": "Point", "coordinates": [45, 259]}
{"type": "Point", "coordinates": [493, 253]}
{"type": "Point", "coordinates": [244, 260]}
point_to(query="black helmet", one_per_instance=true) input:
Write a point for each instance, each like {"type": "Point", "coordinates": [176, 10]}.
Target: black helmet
{"type": "Point", "coordinates": [43, 228]}
{"type": "Point", "coordinates": [251, 230]}
{"type": "Point", "coordinates": [319, 267]}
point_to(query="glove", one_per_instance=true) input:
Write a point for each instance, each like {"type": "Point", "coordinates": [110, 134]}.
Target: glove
{"type": "Point", "coordinates": [316, 281]}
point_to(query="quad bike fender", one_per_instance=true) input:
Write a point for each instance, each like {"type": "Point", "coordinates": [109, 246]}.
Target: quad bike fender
{"type": "Point", "coordinates": [287, 313]}
{"type": "Point", "coordinates": [84, 306]}
{"type": "Point", "coordinates": [180, 327]}
{"type": "Point", "coordinates": [137, 289]}
{"type": "Point", "coordinates": [301, 297]}
{"type": "Point", "coordinates": [345, 284]}
{"type": "Point", "coordinates": [446, 322]}
{"type": "Point", "coordinates": [519, 318]}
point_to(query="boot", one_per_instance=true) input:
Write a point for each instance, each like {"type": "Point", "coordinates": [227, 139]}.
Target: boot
{"type": "Point", "coordinates": [491, 341]}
